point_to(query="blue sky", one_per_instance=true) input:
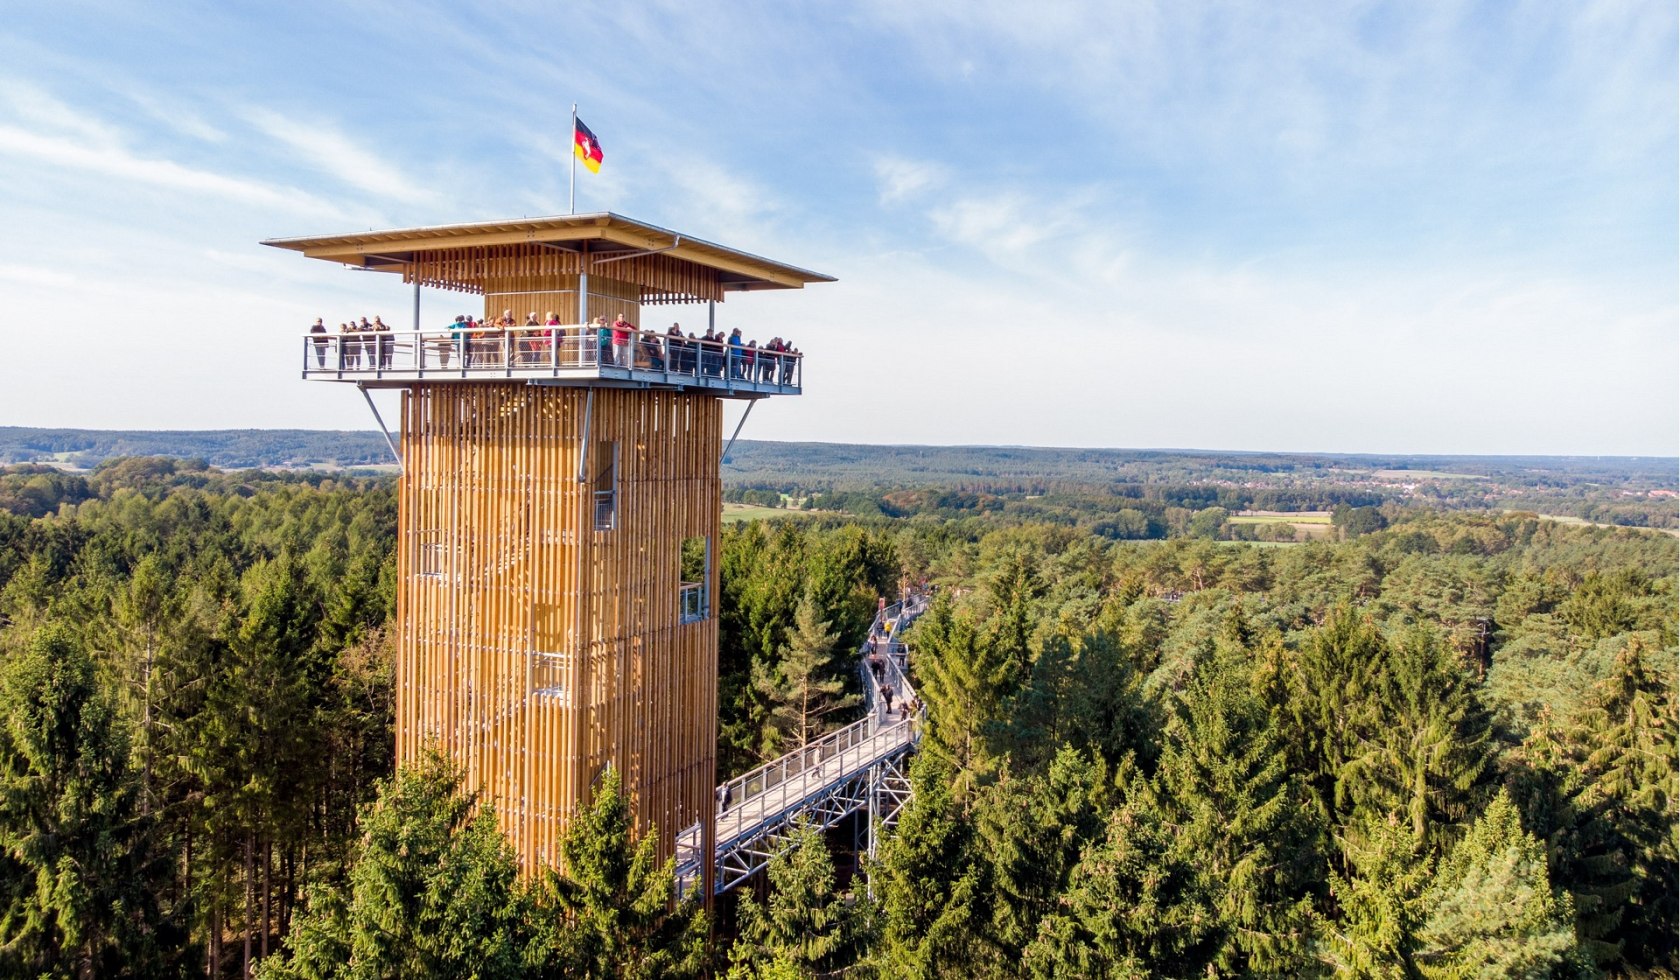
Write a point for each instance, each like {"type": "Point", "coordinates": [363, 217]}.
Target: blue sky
{"type": "Point", "coordinates": [1433, 227]}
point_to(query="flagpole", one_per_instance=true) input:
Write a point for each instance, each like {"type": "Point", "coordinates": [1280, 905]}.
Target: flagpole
{"type": "Point", "coordinates": [571, 192]}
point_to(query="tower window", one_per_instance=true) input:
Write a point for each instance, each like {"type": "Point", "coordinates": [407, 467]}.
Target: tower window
{"type": "Point", "coordinates": [693, 575]}
{"type": "Point", "coordinates": [429, 554]}
{"type": "Point", "coordinates": [605, 485]}
{"type": "Point", "coordinates": [548, 675]}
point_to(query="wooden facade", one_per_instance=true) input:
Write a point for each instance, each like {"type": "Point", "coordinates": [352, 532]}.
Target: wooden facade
{"type": "Point", "coordinates": [535, 648]}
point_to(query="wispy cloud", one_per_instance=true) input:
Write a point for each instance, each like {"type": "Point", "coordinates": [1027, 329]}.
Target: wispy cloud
{"type": "Point", "coordinates": [901, 179]}
{"type": "Point", "coordinates": [115, 161]}
{"type": "Point", "coordinates": [177, 117]}
{"type": "Point", "coordinates": [1072, 240]}
{"type": "Point", "coordinates": [328, 150]}
{"type": "Point", "coordinates": [32, 104]}
{"type": "Point", "coordinates": [731, 203]}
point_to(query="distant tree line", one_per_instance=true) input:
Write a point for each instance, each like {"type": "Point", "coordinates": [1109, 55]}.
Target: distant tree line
{"type": "Point", "coordinates": [233, 448]}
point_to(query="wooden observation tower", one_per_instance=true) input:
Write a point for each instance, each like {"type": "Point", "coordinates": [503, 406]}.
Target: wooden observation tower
{"type": "Point", "coordinates": [559, 508]}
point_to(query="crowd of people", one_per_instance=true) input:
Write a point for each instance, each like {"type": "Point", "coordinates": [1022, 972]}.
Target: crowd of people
{"type": "Point", "coordinates": [504, 341]}
{"type": "Point", "coordinates": [353, 349]}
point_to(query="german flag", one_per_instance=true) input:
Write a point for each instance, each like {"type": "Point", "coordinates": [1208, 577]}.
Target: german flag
{"type": "Point", "coordinates": [586, 146]}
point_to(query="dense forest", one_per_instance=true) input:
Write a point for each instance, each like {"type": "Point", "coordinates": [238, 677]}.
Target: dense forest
{"type": "Point", "coordinates": [1431, 743]}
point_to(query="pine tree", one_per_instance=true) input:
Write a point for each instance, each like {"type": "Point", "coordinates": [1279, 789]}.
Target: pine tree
{"type": "Point", "coordinates": [1032, 831]}
{"type": "Point", "coordinates": [1379, 902]}
{"type": "Point", "coordinates": [1424, 750]}
{"type": "Point", "coordinates": [1133, 907]}
{"type": "Point", "coordinates": [434, 892]}
{"type": "Point", "coordinates": [1625, 743]}
{"type": "Point", "coordinates": [1236, 814]}
{"type": "Point", "coordinates": [805, 926]}
{"type": "Point", "coordinates": [1040, 717]}
{"type": "Point", "coordinates": [965, 682]}
{"type": "Point", "coordinates": [1328, 705]}
{"type": "Point", "coordinates": [804, 687]}
{"type": "Point", "coordinates": [1108, 712]}
{"type": "Point", "coordinates": [79, 891]}
{"type": "Point", "coordinates": [1013, 591]}
{"type": "Point", "coordinates": [257, 743]}
{"type": "Point", "coordinates": [1493, 912]}
{"type": "Point", "coordinates": [1082, 691]}
{"type": "Point", "coordinates": [143, 611]}
{"type": "Point", "coordinates": [616, 900]}
{"type": "Point", "coordinates": [927, 884]}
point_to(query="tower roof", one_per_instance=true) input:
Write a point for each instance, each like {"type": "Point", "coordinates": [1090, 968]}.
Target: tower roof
{"type": "Point", "coordinates": [602, 237]}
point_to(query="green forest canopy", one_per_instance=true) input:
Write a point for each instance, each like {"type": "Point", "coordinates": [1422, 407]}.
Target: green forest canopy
{"type": "Point", "coordinates": [1441, 743]}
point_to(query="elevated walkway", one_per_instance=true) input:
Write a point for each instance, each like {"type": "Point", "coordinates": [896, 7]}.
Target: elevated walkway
{"type": "Point", "coordinates": [862, 768]}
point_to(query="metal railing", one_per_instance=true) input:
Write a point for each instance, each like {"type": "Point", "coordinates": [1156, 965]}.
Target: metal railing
{"type": "Point", "coordinates": [490, 352]}
{"type": "Point", "coordinates": [691, 601]}
{"type": "Point", "coordinates": [890, 626]}
{"type": "Point", "coordinates": [860, 766]}
{"type": "Point", "coordinates": [606, 509]}
{"type": "Point", "coordinates": [785, 782]}
{"type": "Point", "coordinates": [805, 770]}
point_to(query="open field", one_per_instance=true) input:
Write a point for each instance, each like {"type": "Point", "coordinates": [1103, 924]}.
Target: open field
{"type": "Point", "coordinates": [752, 512]}
{"type": "Point", "coordinates": [1280, 517]}
{"type": "Point", "coordinates": [1308, 524]}
{"type": "Point", "coordinates": [1423, 475]}
{"type": "Point", "coordinates": [1582, 522]}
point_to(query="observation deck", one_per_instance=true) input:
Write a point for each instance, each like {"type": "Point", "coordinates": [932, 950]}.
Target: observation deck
{"type": "Point", "coordinates": [563, 355]}
{"type": "Point", "coordinates": [580, 270]}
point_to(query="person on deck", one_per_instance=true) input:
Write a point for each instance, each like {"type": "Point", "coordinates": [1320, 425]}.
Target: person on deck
{"type": "Point", "coordinates": [790, 358]}
{"type": "Point", "coordinates": [675, 350]}
{"type": "Point", "coordinates": [370, 344]}
{"type": "Point", "coordinates": [385, 341]}
{"type": "Point", "coordinates": [603, 340]}
{"type": "Point", "coordinates": [552, 337]}
{"type": "Point", "coordinates": [621, 331]}
{"type": "Point", "coordinates": [708, 354]}
{"type": "Point", "coordinates": [320, 342]}
{"type": "Point", "coordinates": [450, 345]}
{"type": "Point", "coordinates": [486, 342]}
{"type": "Point", "coordinates": [734, 353]}
{"type": "Point", "coordinates": [347, 344]}
{"type": "Point", "coordinates": [651, 352]}
{"type": "Point", "coordinates": [529, 341]}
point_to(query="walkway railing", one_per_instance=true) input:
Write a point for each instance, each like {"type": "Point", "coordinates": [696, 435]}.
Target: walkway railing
{"type": "Point", "coordinates": [785, 778]}
{"type": "Point", "coordinates": [858, 767]}
{"type": "Point", "coordinates": [539, 352]}
{"type": "Point", "coordinates": [892, 653]}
